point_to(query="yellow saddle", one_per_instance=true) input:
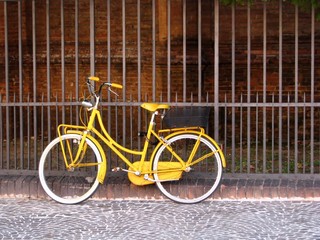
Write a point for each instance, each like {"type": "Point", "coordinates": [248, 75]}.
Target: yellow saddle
{"type": "Point", "coordinates": [152, 107]}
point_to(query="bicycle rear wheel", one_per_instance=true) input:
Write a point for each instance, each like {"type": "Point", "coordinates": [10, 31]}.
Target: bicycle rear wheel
{"type": "Point", "coordinates": [69, 186]}
{"type": "Point", "coordinates": [196, 183]}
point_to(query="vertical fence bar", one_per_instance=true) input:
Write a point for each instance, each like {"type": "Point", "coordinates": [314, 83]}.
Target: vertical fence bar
{"type": "Point", "coordinates": [124, 47]}
{"type": "Point", "coordinates": [48, 67]}
{"type": "Point", "coordinates": [248, 87]}
{"type": "Point", "coordinates": [14, 134]}
{"type": "Point", "coordinates": [296, 70]}
{"type": "Point", "coordinates": [184, 45]}
{"type": "Point", "coordinates": [131, 127]}
{"type": "Point", "coordinates": [312, 91]}
{"type": "Point", "coordinates": [63, 60]}
{"type": "Point", "coordinates": [169, 50]}
{"type": "Point", "coordinates": [264, 86]}
{"type": "Point", "coordinates": [92, 37]}
{"type": "Point", "coordinates": [116, 127]}
{"type": "Point", "coordinates": [42, 123]}
{"type": "Point", "coordinates": [280, 87]}
{"type": "Point", "coordinates": [241, 133]}
{"type": "Point", "coordinates": [233, 77]}
{"type": "Point", "coordinates": [199, 52]}
{"type": "Point", "coordinates": [288, 134]}
{"type": "Point", "coordinates": [216, 69]}
{"type": "Point", "coordinates": [20, 83]}
{"type": "Point", "coordinates": [153, 50]}
{"type": "Point", "coordinates": [138, 46]}
{"type": "Point", "coordinates": [34, 53]}
{"type": "Point", "coordinates": [6, 63]}
{"type": "Point", "coordinates": [139, 66]}
{"type": "Point", "coordinates": [304, 134]}
{"type": "Point", "coordinates": [1, 135]}
{"type": "Point", "coordinates": [109, 75]}
{"type": "Point", "coordinates": [70, 109]}
{"type": "Point", "coordinates": [272, 134]}
{"type": "Point", "coordinates": [124, 84]}
{"type": "Point", "coordinates": [225, 122]}
{"type": "Point", "coordinates": [257, 134]}
{"type": "Point", "coordinates": [108, 42]}
{"type": "Point", "coordinates": [28, 134]}
{"type": "Point", "coordinates": [76, 43]}
{"type": "Point", "coordinates": [57, 116]}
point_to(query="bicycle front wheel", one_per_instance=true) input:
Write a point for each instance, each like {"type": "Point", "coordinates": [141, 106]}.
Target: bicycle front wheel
{"type": "Point", "coordinates": [199, 180]}
{"type": "Point", "coordinates": [73, 185]}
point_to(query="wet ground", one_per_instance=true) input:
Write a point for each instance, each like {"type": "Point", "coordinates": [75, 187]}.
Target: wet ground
{"type": "Point", "coordinates": [136, 219]}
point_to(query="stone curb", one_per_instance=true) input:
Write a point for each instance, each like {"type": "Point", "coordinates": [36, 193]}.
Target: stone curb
{"type": "Point", "coordinates": [230, 188]}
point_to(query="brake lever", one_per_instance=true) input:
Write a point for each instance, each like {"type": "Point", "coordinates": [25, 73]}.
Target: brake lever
{"type": "Point", "coordinates": [110, 90]}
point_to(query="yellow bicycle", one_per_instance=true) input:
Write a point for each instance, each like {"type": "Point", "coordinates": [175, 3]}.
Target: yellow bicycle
{"type": "Point", "coordinates": [186, 164]}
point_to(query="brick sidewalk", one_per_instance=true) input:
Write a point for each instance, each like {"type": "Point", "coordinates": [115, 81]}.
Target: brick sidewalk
{"type": "Point", "coordinates": [232, 187]}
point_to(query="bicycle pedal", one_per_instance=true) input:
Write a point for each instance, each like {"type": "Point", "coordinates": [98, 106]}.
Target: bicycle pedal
{"type": "Point", "coordinates": [116, 169]}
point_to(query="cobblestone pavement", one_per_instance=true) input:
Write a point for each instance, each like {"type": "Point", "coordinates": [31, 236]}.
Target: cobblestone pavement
{"type": "Point", "coordinates": [96, 219]}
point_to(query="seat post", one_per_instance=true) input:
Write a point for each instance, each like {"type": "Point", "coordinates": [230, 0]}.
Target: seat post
{"type": "Point", "coordinates": [153, 117]}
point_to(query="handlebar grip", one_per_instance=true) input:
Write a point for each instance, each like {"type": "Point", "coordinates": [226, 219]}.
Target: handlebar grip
{"type": "Point", "coordinates": [116, 85]}
{"type": "Point", "coordinates": [93, 78]}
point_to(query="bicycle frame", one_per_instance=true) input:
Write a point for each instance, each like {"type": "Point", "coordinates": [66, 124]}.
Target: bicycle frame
{"type": "Point", "coordinates": [110, 142]}
{"type": "Point", "coordinates": [117, 148]}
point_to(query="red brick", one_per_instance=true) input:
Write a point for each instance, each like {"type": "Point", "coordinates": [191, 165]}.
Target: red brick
{"type": "Point", "coordinates": [18, 189]}
{"type": "Point", "coordinates": [134, 191]}
{"type": "Point", "coordinates": [291, 189]}
{"type": "Point", "coordinates": [283, 189]}
{"type": "Point", "coordinates": [3, 186]}
{"type": "Point", "coordinates": [249, 189]}
{"type": "Point", "coordinates": [26, 186]}
{"type": "Point", "coordinates": [241, 189]}
{"type": "Point", "coordinates": [110, 188]}
{"type": "Point", "coordinates": [274, 191]}
{"type": "Point", "coordinates": [41, 192]}
{"type": "Point", "coordinates": [217, 193]}
{"type": "Point", "coordinates": [34, 184]}
{"type": "Point", "coordinates": [102, 191]}
{"type": "Point", "coordinates": [257, 189]}
{"type": "Point", "coordinates": [316, 189]}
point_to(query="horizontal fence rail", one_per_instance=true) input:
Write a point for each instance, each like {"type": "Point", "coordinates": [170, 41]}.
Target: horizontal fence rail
{"type": "Point", "coordinates": [257, 147]}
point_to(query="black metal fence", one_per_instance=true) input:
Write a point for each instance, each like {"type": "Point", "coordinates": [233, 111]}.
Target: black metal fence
{"type": "Point", "coordinates": [263, 131]}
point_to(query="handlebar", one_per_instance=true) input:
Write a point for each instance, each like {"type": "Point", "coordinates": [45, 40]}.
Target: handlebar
{"type": "Point", "coordinates": [97, 79]}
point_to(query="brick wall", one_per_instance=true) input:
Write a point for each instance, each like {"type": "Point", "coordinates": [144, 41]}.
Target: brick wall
{"type": "Point", "coordinates": [161, 49]}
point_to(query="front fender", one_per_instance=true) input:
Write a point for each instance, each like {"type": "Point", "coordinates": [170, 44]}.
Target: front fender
{"type": "Point", "coordinates": [103, 167]}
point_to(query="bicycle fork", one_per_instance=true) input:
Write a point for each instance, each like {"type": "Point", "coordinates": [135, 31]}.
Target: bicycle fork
{"type": "Point", "coordinates": [74, 161]}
